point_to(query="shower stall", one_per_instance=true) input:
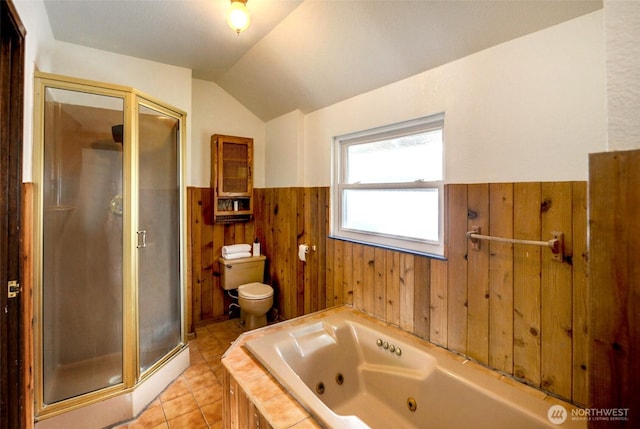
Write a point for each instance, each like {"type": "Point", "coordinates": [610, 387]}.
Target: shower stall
{"type": "Point", "coordinates": [109, 306]}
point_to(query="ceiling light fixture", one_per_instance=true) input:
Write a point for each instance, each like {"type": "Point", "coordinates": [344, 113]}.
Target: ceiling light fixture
{"type": "Point", "coordinates": [238, 16]}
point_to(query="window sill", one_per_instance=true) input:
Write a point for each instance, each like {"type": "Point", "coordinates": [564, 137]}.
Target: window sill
{"type": "Point", "coordinates": [397, 249]}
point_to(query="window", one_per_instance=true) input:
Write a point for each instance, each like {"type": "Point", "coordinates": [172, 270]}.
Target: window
{"type": "Point", "coordinates": [387, 186]}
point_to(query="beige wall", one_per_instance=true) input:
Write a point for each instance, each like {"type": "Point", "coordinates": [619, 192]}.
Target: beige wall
{"type": "Point", "coordinates": [39, 48]}
{"type": "Point", "coordinates": [216, 112]}
{"type": "Point", "coordinates": [622, 30]}
{"type": "Point", "coordinates": [537, 101]}
{"type": "Point", "coordinates": [285, 152]}
{"type": "Point", "coordinates": [540, 101]}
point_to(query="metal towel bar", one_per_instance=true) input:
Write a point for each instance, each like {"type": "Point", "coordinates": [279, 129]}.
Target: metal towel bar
{"type": "Point", "coordinates": [556, 244]}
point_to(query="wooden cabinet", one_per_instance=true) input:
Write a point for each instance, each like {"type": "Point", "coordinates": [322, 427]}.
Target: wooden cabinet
{"type": "Point", "coordinates": [238, 412]}
{"type": "Point", "coordinates": [232, 178]}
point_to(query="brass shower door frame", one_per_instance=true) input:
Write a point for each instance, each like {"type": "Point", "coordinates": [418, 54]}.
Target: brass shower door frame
{"type": "Point", "coordinates": [131, 374]}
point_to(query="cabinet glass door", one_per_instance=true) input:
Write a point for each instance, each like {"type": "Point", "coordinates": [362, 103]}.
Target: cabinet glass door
{"type": "Point", "coordinates": [159, 301]}
{"type": "Point", "coordinates": [235, 168]}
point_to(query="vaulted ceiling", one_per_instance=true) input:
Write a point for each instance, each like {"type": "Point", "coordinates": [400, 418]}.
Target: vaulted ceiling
{"type": "Point", "coordinates": [304, 54]}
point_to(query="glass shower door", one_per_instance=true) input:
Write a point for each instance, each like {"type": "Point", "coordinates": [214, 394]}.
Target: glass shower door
{"type": "Point", "coordinates": [82, 272]}
{"type": "Point", "coordinates": [159, 285]}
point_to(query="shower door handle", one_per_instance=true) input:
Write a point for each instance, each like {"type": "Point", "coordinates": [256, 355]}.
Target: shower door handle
{"type": "Point", "coordinates": [142, 239]}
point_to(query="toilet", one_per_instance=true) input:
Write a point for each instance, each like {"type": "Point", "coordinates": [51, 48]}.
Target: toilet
{"type": "Point", "coordinates": [254, 297]}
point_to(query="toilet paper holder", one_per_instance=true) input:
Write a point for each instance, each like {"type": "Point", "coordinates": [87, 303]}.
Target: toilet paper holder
{"type": "Point", "coordinates": [303, 249]}
{"type": "Point", "coordinates": [306, 247]}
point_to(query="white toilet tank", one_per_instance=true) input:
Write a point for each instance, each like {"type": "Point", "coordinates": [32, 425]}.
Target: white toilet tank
{"type": "Point", "coordinates": [236, 272]}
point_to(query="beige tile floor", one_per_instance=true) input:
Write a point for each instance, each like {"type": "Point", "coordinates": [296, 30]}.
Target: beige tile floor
{"type": "Point", "coordinates": [194, 399]}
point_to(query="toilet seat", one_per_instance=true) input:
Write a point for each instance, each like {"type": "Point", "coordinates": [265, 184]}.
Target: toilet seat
{"type": "Point", "coordinates": [255, 291]}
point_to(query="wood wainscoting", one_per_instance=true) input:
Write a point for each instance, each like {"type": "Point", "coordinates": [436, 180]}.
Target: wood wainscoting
{"type": "Point", "coordinates": [614, 207]}
{"type": "Point", "coordinates": [509, 307]}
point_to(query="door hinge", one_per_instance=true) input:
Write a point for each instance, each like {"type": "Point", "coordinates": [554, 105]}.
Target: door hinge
{"type": "Point", "coordinates": [13, 288]}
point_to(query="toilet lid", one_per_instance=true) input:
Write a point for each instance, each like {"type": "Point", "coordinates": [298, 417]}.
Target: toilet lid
{"type": "Point", "coordinates": [255, 291]}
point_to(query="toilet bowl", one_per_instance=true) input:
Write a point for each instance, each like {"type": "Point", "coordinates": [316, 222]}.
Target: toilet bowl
{"type": "Point", "coordinates": [255, 300]}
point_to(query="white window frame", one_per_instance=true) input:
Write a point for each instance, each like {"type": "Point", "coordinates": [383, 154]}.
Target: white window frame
{"type": "Point", "coordinates": [339, 186]}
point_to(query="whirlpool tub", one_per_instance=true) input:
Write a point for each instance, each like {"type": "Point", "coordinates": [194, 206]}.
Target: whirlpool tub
{"type": "Point", "coordinates": [351, 371]}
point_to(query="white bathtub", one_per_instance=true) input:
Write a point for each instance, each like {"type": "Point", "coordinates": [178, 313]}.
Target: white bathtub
{"type": "Point", "coordinates": [335, 368]}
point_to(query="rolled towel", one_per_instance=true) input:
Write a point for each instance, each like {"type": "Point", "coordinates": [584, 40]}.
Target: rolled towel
{"type": "Point", "coordinates": [237, 255]}
{"type": "Point", "coordinates": [235, 248]}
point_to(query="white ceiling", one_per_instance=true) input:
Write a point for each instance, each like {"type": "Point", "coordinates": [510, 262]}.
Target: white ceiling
{"type": "Point", "coordinates": [304, 54]}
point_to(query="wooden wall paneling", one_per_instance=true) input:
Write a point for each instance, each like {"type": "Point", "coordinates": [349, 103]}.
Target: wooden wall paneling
{"type": "Point", "coordinates": [230, 233]}
{"type": "Point", "coordinates": [287, 249]}
{"type": "Point", "coordinates": [316, 232]}
{"type": "Point", "coordinates": [392, 281]}
{"type": "Point", "coordinates": [250, 232]}
{"type": "Point", "coordinates": [322, 243]}
{"type": "Point", "coordinates": [329, 277]}
{"type": "Point", "coordinates": [422, 280]}
{"type": "Point", "coordinates": [228, 391]}
{"type": "Point", "coordinates": [242, 233]}
{"type": "Point", "coordinates": [580, 388]}
{"type": "Point", "coordinates": [468, 303]}
{"type": "Point", "coordinates": [556, 291]}
{"type": "Point", "coordinates": [348, 273]}
{"type": "Point", "coordinates": [259, 213]}
{"type": "Point", "coordinates": [310, 236]}
{"type": "Point", "coordinates": [27, 237]}
{"type": "Point", "coordinates": [455, 295]}
{"type": "Point", "coordinates": [526, 273]}
{"type": "Point", "coordinates": [501, 278]}
{"type": "Point", "coordinates": [299, 284]}
{"type": "Point", "coordinates": [189, 329]}
{"type": "Point", "coordinates": [263, 213]}
{"type": "Point", "coordinates": [267, 243]}
{"type": "Point", "coordinates": [338, 271]}
{"type": "Point", "coordinates": [272, 241]}
{"type": "Point", "coordinates": [436, 325]}
{"type": "Point", "coordinates": [478, 280]}
{"type": "Point", "coordinates": [369, 279]}
{"type": "Point", "coordinates": [358, 276]}
{"type": "Point", "coordinates": [221, 300]}
{"type": "Point", "coordinates": [407, 292]}
{"type": "Point", "coordinates": [275, 239]}
{"type": "Point", "coordinates": [196, 256]}
{"type": "Point", "coordinates": [209, 260]}
{"type": "Point", "coordinates": [379, 286]}
{"type": "Point", "coordinates": [614, 245]}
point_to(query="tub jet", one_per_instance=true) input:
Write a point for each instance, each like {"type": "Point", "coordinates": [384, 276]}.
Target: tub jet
{"type": "Point", "coordinates": [412, 404]}
{"type": "Point", "coordinates": [320, 388]}
{"type": "Point", "coordinates": [339, 378]}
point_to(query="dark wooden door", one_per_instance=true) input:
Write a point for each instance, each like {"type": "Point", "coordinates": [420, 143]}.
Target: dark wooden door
{"type": "Point", "coordinates": [11, 107]}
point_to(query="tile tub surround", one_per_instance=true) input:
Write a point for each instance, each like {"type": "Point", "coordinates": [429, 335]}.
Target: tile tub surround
{"type": "Point", "coordinates": [280, 410]}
